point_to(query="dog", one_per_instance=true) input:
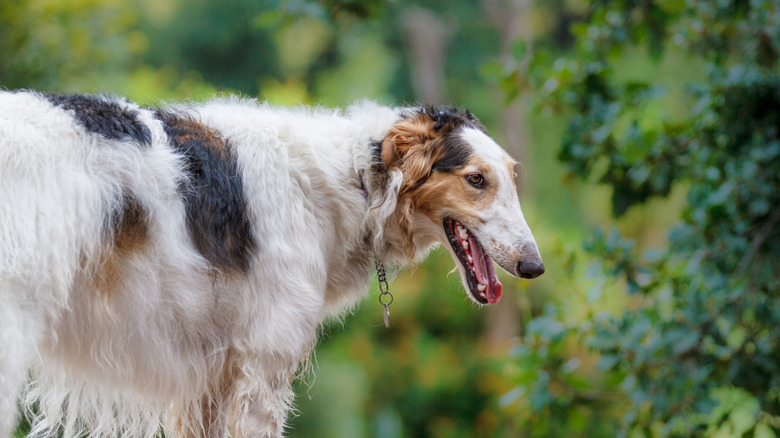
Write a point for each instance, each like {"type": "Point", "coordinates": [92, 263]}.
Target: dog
{"type": "Point", "coordinates": [169, 267]}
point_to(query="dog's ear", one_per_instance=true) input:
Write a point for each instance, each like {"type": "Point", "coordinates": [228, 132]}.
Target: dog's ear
{"type": "Point", "coordinates": [412, 145]}
{"type": "Point", "coordinates": [404, 136]}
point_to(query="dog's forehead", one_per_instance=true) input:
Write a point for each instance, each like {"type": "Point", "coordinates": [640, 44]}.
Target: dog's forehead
{"type": "Point", "coordinates": [485, 148]}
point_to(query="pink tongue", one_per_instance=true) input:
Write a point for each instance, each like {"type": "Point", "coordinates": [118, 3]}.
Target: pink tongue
{"type": "Point", "coordinates": [486, 272]}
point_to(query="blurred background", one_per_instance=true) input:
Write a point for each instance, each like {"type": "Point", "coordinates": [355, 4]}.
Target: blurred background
{"type": "Point", "coordinates": [648, 134]}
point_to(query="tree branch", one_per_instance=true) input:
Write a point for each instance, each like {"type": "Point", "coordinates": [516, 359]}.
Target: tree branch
{"type": "Point", "coordinates": [751, 252]}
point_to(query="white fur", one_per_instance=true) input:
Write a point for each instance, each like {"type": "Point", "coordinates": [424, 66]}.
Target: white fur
{"type": "Point", "coordinates": [505, 232]}
{"type": "Point", "coordinates": [153, 350]}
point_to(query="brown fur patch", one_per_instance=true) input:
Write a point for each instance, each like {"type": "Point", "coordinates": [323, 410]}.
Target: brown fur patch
{"type": "Point", "coordinates": [450, 194]}
{"type": "Point", "coordinates": [130, 233]}
{"type": "Point", "coordinates": [132, 228]}
{"type": "Point", "coordinates": [189, 129]}
{"type": "Point", "coordinates": [414, 134]}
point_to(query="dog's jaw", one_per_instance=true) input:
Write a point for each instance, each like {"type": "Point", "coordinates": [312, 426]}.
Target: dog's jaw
{"type": "Point", "coordinates": [475, 265]}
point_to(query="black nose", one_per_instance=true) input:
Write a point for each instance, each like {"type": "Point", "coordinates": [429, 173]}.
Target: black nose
{"type": "Point", "coordinates": [529, 269]}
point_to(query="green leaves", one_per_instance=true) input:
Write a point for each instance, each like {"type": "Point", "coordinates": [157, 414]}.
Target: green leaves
{"type": "Point", "coordinates": [736, 413]}
{"type": "Point", "coordinates": [697, 354]}
{"type": "Point", "coordinates": [66, 44]}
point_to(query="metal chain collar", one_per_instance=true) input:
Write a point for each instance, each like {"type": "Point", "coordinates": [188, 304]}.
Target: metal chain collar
{"type": "Point", "coordinates": [385, 297]}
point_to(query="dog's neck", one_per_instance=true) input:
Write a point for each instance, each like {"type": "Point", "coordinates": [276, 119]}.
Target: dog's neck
{"type": "Point", "coordinates": [384, 237]}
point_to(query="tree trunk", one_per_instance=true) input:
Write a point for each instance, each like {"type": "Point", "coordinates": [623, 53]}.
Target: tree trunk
{"type": "Point", "coordinates": [428, 39]}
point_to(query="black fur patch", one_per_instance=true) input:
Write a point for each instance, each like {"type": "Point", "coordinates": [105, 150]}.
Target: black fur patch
{"type": "Point", "coordinates": [376, 157]}
{"type": "Point", "coordinates": [447, 118]}
{"type": "Point", "coordinates": [456, 154]}
{"type": "Point", "coordinates": [449, 122]}
{"type": "Point", "coordinates": [104, 116]}
{"type": "Point", "coordinates": [217, 215]}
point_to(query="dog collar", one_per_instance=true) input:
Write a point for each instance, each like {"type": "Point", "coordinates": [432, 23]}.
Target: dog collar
{"type": "Point", "coordinates": [385, 297]}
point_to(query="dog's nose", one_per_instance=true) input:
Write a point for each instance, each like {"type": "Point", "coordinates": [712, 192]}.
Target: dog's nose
{"type": "Point", "coordinates": [529, 268]}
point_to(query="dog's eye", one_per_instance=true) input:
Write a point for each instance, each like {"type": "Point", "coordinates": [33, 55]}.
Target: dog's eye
{"type": "Point", "coordinates": [476, 180]}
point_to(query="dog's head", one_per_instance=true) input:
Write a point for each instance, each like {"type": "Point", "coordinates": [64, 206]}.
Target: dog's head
{"type": "Point", "coordinates": [458, 189]}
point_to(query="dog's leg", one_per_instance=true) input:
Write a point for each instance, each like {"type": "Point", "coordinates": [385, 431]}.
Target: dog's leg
{"type": "Point", "coordinates": [208, 418]}
{"type": "Point", "coordinates": [19, 336]}
{"type": "Point", "coordinates": [263, 393]}
{"type": "Point", "coordinates": [261, 404]}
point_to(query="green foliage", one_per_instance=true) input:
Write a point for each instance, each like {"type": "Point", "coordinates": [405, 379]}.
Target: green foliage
{"type": "Point", "coordinates": [232, 54]}
{"type": "Point", "coordinates": [554, 396]}
{"type": "Point", "coordinates": [65, 44]}
{"type": "Point", "coordinates": [699, 354]}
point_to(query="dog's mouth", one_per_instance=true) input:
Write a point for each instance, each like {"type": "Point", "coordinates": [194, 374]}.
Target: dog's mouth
{"type": "Point", "coordinates": [478, 267]}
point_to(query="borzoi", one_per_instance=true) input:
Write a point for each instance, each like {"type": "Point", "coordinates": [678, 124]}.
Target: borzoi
{"type": "Point", "coordinates": [171, 266]}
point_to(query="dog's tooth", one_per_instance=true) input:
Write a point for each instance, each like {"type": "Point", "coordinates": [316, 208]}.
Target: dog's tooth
{"type": "Point", "coordinates": [464, 233]}
{"type": "Point", "coordinates": [471, 259]}
{"type": "Point", "coordinates": [465, 245]}
{"type": "Point", "coordinates": [481, 287]}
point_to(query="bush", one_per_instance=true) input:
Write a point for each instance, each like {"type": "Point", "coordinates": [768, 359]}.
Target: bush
{"type": "Point", "coordinates": [698, 356]}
